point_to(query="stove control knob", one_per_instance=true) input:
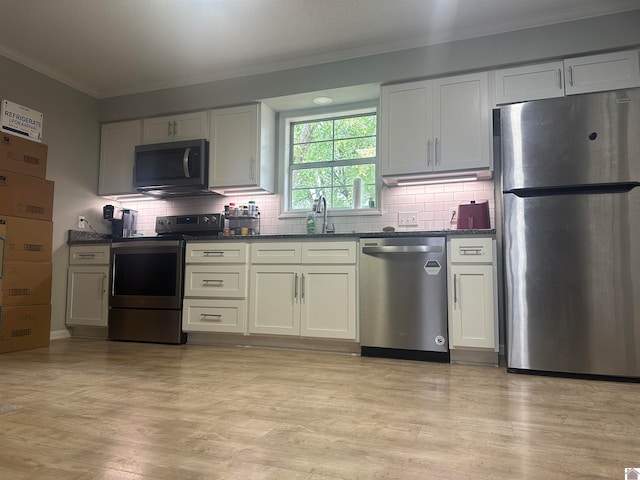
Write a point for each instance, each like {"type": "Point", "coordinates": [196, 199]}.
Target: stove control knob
{"type": "Point", "coordinates": [205, 219]}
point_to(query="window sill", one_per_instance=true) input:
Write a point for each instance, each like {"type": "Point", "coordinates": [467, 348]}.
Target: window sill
{"type": "Point", "coordinates": [335, 213]}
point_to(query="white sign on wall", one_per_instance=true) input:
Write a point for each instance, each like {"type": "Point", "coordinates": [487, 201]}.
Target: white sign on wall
{"type": "Point", "coordinates": [21, 121]}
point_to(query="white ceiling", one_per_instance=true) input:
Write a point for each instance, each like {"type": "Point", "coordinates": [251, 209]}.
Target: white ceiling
{"type": "Point", "coordinates": [113, 47]}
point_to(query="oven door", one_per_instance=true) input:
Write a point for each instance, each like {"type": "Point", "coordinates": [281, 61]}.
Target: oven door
{"type": "Point", "coordinates": [146, 274]}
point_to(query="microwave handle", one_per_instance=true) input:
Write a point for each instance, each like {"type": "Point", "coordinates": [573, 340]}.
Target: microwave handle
{"type": "Point", "coordinates": [185, 162]}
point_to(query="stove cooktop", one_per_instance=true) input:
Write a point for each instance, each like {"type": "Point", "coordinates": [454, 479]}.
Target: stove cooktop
{"type": "Point", "coordinates": [197, 224]}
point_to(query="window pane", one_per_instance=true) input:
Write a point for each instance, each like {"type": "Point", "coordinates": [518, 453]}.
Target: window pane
{"type": "Point", "coordinates": [342, 197]}
{"type": "Point", "coordinates": [302, 199]}
{"type": "Point", "coordinates": [347, 174]}
{"type": "Point", "coordinates": [355, 127]}
{"type": "Point", "coordinates": [345, 140]}
{"type": "Point", "coordinates": [313, 152]}
{"type": "Point", "coordinates": [311, 178]}
{"type": "Point", "coordinates": [356, 148]}
{"type": "Point", "coordinates": [312, 131]}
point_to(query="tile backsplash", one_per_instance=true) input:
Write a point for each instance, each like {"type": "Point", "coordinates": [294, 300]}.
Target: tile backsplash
{"type": "Point", "coordinates": [433, 203]}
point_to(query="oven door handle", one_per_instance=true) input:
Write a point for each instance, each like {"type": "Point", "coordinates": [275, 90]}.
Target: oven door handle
{"type": "Point", "coordinates": [185, 162]}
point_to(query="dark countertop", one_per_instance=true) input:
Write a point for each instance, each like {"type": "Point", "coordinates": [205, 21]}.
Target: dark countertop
{"type": "Point", "coordinates": [80, 237]}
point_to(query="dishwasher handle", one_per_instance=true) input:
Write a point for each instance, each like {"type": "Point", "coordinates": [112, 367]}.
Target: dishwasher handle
{"type": "Point", "coordinates": [402, 249]}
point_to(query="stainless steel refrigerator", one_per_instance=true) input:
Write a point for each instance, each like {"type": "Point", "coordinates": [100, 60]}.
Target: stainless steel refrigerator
{"type": "Point", "coordinates": [571, 198]}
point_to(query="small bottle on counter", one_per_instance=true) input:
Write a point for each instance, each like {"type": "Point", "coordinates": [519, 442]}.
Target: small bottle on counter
{"type": "Point", "coordinates": [253, 208]}
{"type": "Point", "coordinates": [311, 223]}
{"type": "Point", "coordinates": [233, 211]}
{"type": "Point", "coordinates": [372, 202]}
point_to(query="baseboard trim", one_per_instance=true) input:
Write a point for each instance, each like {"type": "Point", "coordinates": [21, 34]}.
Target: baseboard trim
{"type": "Point", "coordinates": [59, 334]}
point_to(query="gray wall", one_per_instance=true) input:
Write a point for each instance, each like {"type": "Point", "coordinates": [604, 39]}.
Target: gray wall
{"type": "Point", "coordinates": [525, 46]}
{"type": "Point", "coordinates": [71, 130]}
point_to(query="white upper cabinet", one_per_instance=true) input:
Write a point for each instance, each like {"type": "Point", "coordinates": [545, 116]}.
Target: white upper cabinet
{"type": "Point", "coordinates": [609, 71]}
{"type": "Point", "coordinates": [462, 123]}
{"type": "Point", "coordinates": [531, 82]}
{"type": "Point", "coordinates": [242, 149]}
{"type": "Point", "coordinates": [175, 128]}
{"type": "Point", "coordinates": [593, 73]}
{"type": "Point", "coordinates": [406, 128]}
{"type": "Point", "coordinates": [117, 153]}
{"type": "Point", "coordinates": [435, 126]}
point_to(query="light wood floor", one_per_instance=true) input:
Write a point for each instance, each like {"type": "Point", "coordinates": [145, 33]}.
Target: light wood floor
{"type": "Point", "coordinates": [91, 410]}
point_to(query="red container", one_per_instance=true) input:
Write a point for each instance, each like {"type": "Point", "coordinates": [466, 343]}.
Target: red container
{"type": "Point", "coordinates": [473, 216]}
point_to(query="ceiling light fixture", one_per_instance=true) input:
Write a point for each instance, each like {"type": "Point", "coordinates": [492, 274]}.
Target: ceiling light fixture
{"type": "Point", "coordinates": [322, 100]}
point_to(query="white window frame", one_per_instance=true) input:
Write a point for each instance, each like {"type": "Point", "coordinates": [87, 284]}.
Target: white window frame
{"type": "Point", "coordinates": [284, 124]}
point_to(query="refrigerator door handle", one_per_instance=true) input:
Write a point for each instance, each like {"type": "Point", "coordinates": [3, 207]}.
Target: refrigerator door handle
{"type": "Point", "coordinates": [624, 187]}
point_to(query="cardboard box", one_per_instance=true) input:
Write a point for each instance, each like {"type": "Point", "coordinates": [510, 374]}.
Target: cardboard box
{"type": "Point", "coordinates": [26, 283]}
{"type": "Point", "coordinates": [23, 156]}
{"type": "Point", "coordinates": [23, 328]}
{"type": "Point", "coordinates": [3, 232]}
{"type": "Point", "coordinates": [20, 120]}
{"type": "Point", "coordinates": [25, 196]}
{"type": "Point", "coordinates": [27, 240]}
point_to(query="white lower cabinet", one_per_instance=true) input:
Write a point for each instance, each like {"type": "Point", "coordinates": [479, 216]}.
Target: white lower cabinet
{"type": "Point", "coordinates": [215, 287]}
{"type": "Point", "coordinates": [88, 286]}
{"type": "Point", "coordinates": [207, 315]}
{"type": "Point", "coordinates": [472, 295]}
{"type": "Point", "coordinates": [328, 302]}
{"type": "Point", "coordinates": [304, 289]}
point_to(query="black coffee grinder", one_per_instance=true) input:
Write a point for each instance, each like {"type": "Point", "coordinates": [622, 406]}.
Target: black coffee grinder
{"type": "Point", "coordinates": [123, 220]}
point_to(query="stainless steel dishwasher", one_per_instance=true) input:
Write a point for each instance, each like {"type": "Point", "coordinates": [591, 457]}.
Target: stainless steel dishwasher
{"type": "Point", "coordinates": [403, 298]}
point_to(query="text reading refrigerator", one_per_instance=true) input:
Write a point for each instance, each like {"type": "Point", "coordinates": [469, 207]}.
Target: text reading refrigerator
{"type": "Point", "coordinates": [571, 183]}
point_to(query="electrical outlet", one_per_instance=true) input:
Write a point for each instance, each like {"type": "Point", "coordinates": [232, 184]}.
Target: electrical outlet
{"type": "Point", "coordinates": [453, 215]}
{"type": "Point", "coordinates": [408, 219]}
{"type": "Point", "coordinates": [82, 222]}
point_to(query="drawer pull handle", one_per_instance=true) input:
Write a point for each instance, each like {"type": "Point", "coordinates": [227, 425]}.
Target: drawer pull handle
{"type": "Point", "coordinates": [210, 316]}
{"type": "Point", "coordinates": [471, 251]}
{"type": "Point", "coordinates": [86, 255]}
{"type": "Point", "coordinates": [213, 254]}
{"type": "Point", "coordinates": [216, 282]}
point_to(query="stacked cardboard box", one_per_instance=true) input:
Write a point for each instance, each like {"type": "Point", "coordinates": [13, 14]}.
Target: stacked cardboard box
{"type": "Point", "coordinates": [26, 210]}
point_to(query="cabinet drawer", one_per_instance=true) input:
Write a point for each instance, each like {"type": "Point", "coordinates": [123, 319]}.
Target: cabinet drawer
{"type": "Point", "coordinates": [216, 252]}
{"type": "Point", "coordinates": [227, 316]}
{"type": "Point", "coordinates": [328, 252]}
{"type": "Point", "coordinates": [89, 254]}
{"type": "Point", "coordinates": [276, 252]}
{"type": "Point", "coordinates": [215, 281]}
{"type": "Point", "coordinates": [471, 250]}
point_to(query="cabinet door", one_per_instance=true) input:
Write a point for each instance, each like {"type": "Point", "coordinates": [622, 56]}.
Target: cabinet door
{"type": "Point", "coordinates": [87, 297]}
{"type": "Point", "coordinates": [328, 302]}
{"type": "Point", "coordinates": [222, 316]}
{"type": "Point", "coordinates": [531, 82]}
{"type": "Point", "coordinates": [117, 152]}
{"type": "Point", "coordinates": [462, 123]}
{"type": "Point", "coordinates": [234, 147]}
{"type": "Point", "coordinates": [274, 300]}
{"type": "Point", "coordinates": [406, 128]}
{"type": "Point", "coordinates": [596, 73]}
{"type": "Point", "coordinates": [174, 128]}
{"type": "Point", "coordinates": [471, 307]}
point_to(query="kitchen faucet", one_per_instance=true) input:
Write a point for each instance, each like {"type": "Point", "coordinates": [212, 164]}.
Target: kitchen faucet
{"type": "Point", "coordinates": [320, 206]}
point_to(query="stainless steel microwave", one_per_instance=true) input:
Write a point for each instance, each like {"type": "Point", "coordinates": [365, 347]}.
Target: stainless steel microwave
{"type": "Point", "coordinates": [172, 169]}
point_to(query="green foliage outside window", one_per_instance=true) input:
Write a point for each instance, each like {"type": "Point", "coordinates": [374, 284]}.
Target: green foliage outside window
{"type": "Point", "coordinates": [328, 155]}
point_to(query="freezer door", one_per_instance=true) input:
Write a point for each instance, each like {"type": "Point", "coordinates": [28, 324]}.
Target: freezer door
{"type": "Point", "coordinates": [573, 281]}
{"type": "Point", "coordinates": [575, 140]}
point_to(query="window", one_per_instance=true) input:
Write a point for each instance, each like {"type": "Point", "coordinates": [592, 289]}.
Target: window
{"type": "Point", "coordinates": [327, 155]}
